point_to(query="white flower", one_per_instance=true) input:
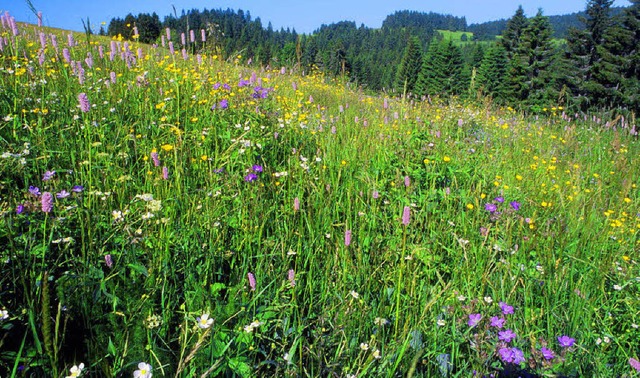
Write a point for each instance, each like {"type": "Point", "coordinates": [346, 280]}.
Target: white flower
{"type": "Point", "coordinates": [4, 314]}
{"type": "Point", "coordinates": [354, 294]}
{"type": "Point", "coordinates": [488, 300]}
{"type": "Point", "coordinates": [117, 216]}
{"type": "Point", "coordinates": [441, 322]}
{"type": "Point", "coordinates": [380, 321]}
{"type": "Point", "coordinates": [376, 354]}
{"type": "Point", "coordinates": [144, 371]}
{"type": "Point", "coordinates": [617, 287]}
{"type": "Point", "coordinates": [252, 326]}
{"type": "Point", "coordinates": [145, 197]}
{"type": "Point", "coordinates": [75, 371]}
{"type": "Point", "coordinates": [204, 321]}
{"type": "Point", "coordinates": [364, 346]}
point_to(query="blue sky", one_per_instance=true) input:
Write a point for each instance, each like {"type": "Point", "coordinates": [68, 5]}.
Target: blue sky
{"type": "Point", "coordinates": [303, 15]}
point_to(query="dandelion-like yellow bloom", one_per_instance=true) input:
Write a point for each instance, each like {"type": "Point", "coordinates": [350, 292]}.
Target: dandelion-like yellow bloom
{"type": "Point", "coordinates": [167, 147]}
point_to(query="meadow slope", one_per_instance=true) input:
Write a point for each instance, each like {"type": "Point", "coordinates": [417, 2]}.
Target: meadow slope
{"type": "Point", "coordinates": [166, 211]}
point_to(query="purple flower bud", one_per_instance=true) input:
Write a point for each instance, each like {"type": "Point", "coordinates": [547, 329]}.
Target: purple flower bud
{"type": "Point", "coordinates": [252, 281]}
{"type": "Point", "coordinates": [108, 260]}
{"type": "Point", "coordinates": [165, 173]}
{"type": "Point", "coordinates": [406, 215]}
{"type": "Point", "coordinates": [66, 55]}
{"type": "Point", "coordinates": [203, 35]}
{"type": "Point", "coordinates": [347, 238]}
{"type": "Point", "coordinates": [291, 276]}
{"type": "Point", "coordinates": [20, 209]}
{"type": "Point", "coordinates": [634, 363]}
{"type": "Point", "coordinates": [85, 106]}
{"type": "Point", "coordinates": [407, 181]}
{"type": "Point", "coordinates": [47, 202]}
{"type": "Point", "coordinates": [296, 204]}
{"type": "Point", "coordinates": [375, 194]}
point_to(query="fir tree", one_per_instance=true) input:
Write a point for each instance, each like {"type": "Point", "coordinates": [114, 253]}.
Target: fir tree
{"type": "Point", "coordinates": [409, 69]}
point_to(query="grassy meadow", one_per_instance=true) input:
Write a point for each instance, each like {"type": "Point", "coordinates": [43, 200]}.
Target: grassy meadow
{"type": "Point", "coordinates": [166, 211]}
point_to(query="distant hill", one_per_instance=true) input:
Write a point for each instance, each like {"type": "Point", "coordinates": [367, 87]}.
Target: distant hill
{"type": "Point", "coordinates": [561, 25]}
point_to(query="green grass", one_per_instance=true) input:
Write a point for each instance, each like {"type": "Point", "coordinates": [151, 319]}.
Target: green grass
{"type": "Point", "coordinates": [538, 213]}
{"type": "Point", "coordinates": [456, 36]}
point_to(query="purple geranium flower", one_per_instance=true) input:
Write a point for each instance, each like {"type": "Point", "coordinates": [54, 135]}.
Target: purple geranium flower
{"type": "Point", "coordinates": [48, 175]}
{"type": "Point", "coordinates": [511, 355]}
{"type": "Point", "coordinates": [547, 353]}
{"type": "Point", "coordinates": [497, 322]}
{"type": "Point", "coordinates": [62, 194]}
{"type": "Point", "coordinates": [499, 199]}
{"type": "Point", "coordinates": [506, 309]}
{"type": "Point", "coordinates": [77, 189]}
{"type": "Point", "coordinates": [20, 209]}
{"type": "Point", "coordinates": [490, 207]}
{"type": "Point", "coordinates": [506, 336]}
{"type": "Point", "coordinates": [566, 341]}
{"type": "Point", "coordinates": [250, 177]}
{"type": "Point", "coordinates": [257, 168]}
{"type": "Point", "coordinates": [474, 319]}
{"type": "Point", "coordinates": [515, 205]}
{"type": "Point", "coordinates": [34, 190]}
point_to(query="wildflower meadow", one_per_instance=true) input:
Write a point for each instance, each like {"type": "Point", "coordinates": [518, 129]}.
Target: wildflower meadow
{"type": "Point", "coordinates": [170, 211]}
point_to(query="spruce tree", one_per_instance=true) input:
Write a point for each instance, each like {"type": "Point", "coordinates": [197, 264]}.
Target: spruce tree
{"type": "Point", "coordinates": [624, 43]}
{"type": "Point", "coordinates": [512, 34]}
{"type": "Point", "coordinates": [442, 71]}
{"type": "Point", "coordinates": [592, 83]}
{"type": "Point", "coordinates": [431, 77]}
{"type": "Point", "coordinates": [491, 75]}
{"type": "Point", "coordinates": [537, 54]}
{"type": "Point", "coordinates": [409, 69]}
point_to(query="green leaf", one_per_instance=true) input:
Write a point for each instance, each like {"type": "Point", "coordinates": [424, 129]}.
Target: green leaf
{"type": "Point", "coordinates": [111, 348]}
{"type": "Point", "coordinates": [139, 268]}
{"type": "Point", "coordinates": [240, 367]}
